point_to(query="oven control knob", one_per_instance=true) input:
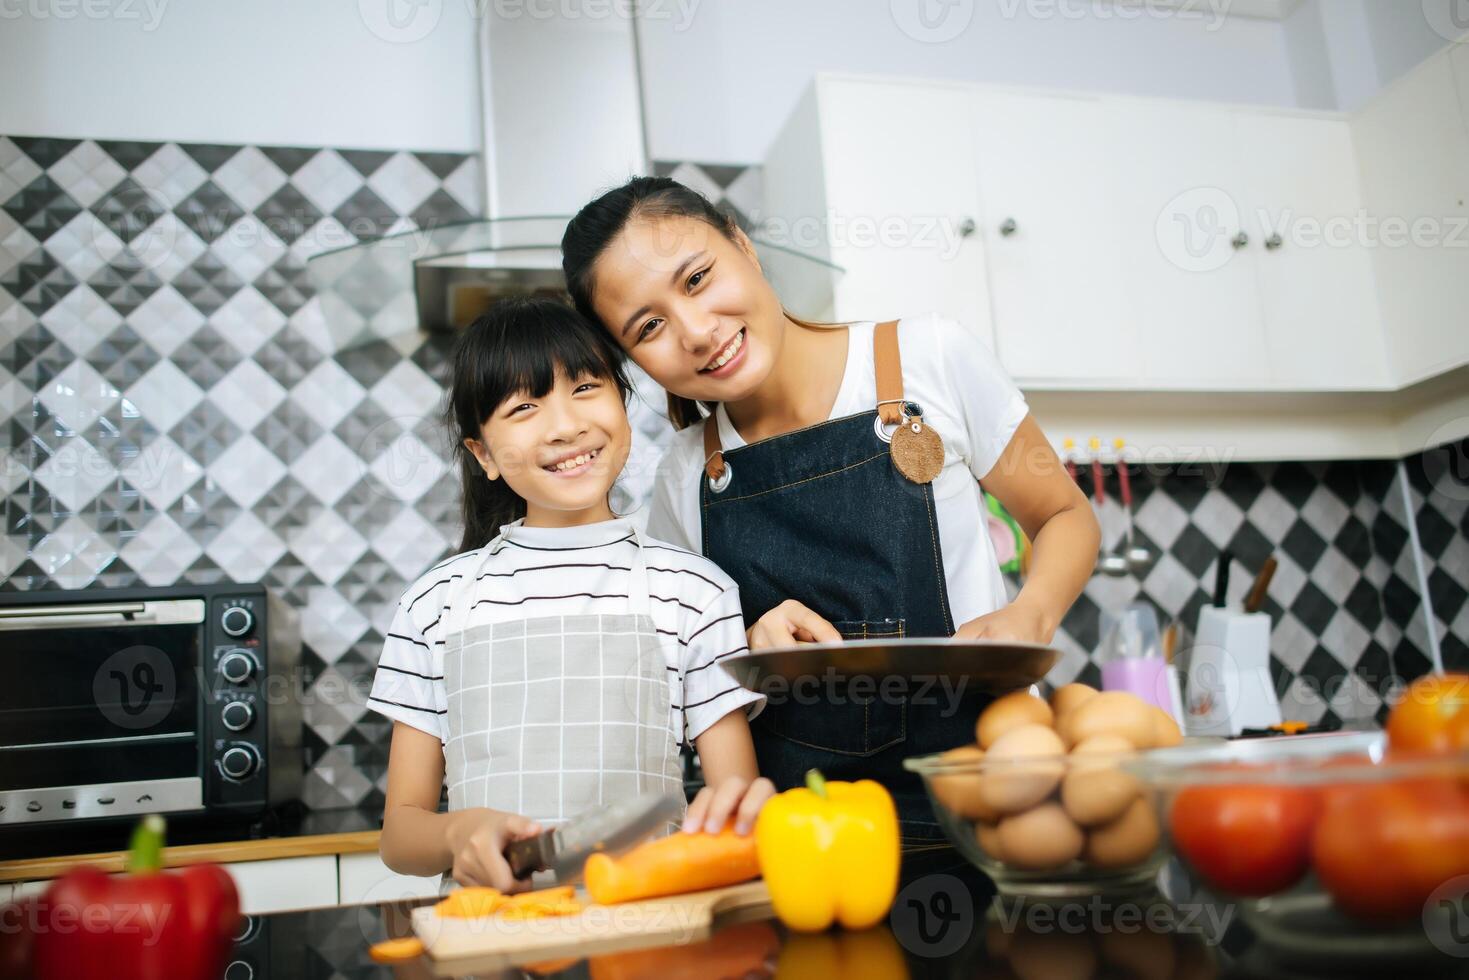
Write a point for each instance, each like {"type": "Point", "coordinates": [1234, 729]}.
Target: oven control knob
{"type": "Point", "coordinates": [239, 761]}
{"type": "Point", "coordinates": [236, 621]}
{"type": "Point", "coordinates": [237, 667]}
{"type": "Point", "coordinates": [236, 715]}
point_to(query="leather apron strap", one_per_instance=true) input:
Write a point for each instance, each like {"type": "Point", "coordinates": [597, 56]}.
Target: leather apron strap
{"type": "Point", "coordinates": [887, 366]}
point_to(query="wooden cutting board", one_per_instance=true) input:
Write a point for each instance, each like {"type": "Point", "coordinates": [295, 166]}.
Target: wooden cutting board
{"type": "Point", "coordinates": [492, 942]}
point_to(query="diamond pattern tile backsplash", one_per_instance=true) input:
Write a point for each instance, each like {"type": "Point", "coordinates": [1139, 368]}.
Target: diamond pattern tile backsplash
{"type": "Point", "coordinates": [175, 411]}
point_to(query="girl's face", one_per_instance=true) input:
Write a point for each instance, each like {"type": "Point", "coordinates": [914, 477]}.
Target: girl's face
{"type": "Point", "coordinates": [691, 307]}
{"type": "Point", "coordinates": [560, 453]}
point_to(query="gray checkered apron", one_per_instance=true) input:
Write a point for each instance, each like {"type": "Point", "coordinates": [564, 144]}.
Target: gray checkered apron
{"type": "Point", "coordinates": [553, 716]}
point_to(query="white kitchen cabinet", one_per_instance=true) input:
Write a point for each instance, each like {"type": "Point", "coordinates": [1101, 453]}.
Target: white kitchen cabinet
{"type": "Point", "coordinates": [1303, 206]}
{"type": "Point", "coordinates": [7, 890]}
{"type": "Point", "coordinates": [878, 177]}
{"type": "Point", "coordinates": [285, 884]}
{"type": "Point", "coordinates": [1413, 147]}
{"type": "Point", "coordinates": [1181, 197]}
{"type": "Point", "coordinates": [364, 879]}
{"type": "Point", "coordinates": [1050, 225]}
{"type": "Point", "coordinates": [28, 889]}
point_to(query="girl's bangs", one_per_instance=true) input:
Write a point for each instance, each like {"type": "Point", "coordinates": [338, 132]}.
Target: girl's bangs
{"type": "Point", "coordinates": [531, 348]}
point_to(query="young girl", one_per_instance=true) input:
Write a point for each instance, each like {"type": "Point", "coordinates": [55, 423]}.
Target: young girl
{"type": "Point", "coordinates": [555, 664]}
{"type": "Point", "coordinates": [834, 478]}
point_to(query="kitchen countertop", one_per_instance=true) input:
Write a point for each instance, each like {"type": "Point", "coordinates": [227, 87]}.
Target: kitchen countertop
{"type": "Point", "coordinates": [1146, 937]}
{"type": "Point", "coordinates": [37, 853]}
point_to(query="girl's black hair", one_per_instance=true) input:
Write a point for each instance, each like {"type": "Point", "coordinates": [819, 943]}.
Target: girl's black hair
{"type": "Point", "coordinates": [596, 225]}
{"type": "Point", "coordinates": [518, 346]}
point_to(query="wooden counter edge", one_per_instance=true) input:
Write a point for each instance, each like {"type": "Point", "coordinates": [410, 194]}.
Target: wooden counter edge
{"type": "Point", "coordinates": [227, 852]}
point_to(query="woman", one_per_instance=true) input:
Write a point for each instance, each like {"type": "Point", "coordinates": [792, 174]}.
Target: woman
{"type": "Point", "coordinates": [804, 488]}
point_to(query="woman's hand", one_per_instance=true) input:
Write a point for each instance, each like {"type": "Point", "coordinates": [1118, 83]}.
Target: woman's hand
{"type": "Point", "coordinates": [1017, 621]}
{"type": "Point", "coordinates": [788, 623]}
{"type": "Point", "coordinates": [738, 797]}
{"type": "Point", "coordinates": [477, 838]}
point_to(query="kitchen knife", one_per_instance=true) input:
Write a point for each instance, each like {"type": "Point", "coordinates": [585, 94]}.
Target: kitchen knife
{"type": "Point", "coordinates": [611, 829]}
{"type": "Point", "coordinates": [1262, 582]}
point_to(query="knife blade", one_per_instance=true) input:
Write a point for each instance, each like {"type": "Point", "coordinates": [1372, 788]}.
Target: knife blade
{"type": "Point", "coordinates": [610, 829]}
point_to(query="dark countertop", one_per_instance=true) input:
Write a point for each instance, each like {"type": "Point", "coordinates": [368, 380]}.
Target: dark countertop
{"type": "Point", "coordinates": [1141, 937]}
{"type": "Point", "coordinates": [281, 823]}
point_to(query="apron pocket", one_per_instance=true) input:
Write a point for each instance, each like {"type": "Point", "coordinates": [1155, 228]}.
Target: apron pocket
{"type": "Point", "coordinates": [832, 715]}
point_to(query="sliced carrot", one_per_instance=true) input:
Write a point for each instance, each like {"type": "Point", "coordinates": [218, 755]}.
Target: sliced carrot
{"type": "Point", "coordinates": [396, 950]}
{"type": "Point", "coordinates": [673, 865]}
{"type": "Point", "coordinates": [469, 903]}
{"type": "Point", "coordinates": [558, 893]}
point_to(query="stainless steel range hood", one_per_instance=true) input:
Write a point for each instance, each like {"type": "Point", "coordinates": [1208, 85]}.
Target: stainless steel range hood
{"type": "Point", "coordinates": [562, 120]}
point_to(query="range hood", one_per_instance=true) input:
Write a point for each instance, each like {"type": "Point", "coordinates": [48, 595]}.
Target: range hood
{"type": "Point", "coordinates": [562, 120]}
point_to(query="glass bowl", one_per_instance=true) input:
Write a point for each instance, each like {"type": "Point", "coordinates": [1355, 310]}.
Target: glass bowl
{"type": "Point", "coordinates": [1053, 826]}
{"type": "Point", "coordinates": [1328, 845]}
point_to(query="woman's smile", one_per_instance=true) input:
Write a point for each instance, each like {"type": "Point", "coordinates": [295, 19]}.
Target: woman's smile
{"type": "Point", "coordinates": [729, 358]}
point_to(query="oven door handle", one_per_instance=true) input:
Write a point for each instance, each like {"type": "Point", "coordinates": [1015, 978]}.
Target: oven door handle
{"type": "Point", "coordinates": [97, 614]}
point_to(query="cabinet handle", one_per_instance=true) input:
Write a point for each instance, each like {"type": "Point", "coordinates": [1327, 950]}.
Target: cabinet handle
{"type": "Point", "coordinates": [966, 227]}
{"type": "Point", "coordinates": [1274, 242]}
{"type": "Point", "coordinates": [1240, 241]}
{"type": "Point", "coordinates": [1009, 227]}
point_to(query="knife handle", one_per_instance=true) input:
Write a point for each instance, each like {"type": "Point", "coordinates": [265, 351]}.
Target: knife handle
{"type": "Point", "coordinates": [525, 856]}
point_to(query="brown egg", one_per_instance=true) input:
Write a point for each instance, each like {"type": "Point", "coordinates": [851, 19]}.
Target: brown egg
{"type": "Point", "coordinates": [1094, 790]}
{"type": "Point", "coordinates": [1041, 838]}
{"type": "Point", "coordinates": [1166, 732]}
{"type": "Point", "coordinates": [1125, 841]}
{"type": "Point", "coordinates": [960, 791]}
{"type": "Point", "coordinates": [1010, 712]}
{"type": "Point", "coordinates": [988, 836]}
{"type": "Point", "coordinates": [1022, 768]}
{"type": "Point", "coordinates": [1069, 697]}
{"type": "Point", "coordinates": [1110, 713]}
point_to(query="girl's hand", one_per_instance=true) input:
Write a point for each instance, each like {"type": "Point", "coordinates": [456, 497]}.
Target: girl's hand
{"type": "Point", "coordinates": [478, 838]}
{"type": "Point", "coordinates": [790, 622]}
{"type": "Point", "coordinates": [714, 805]}
{"type": "Point", "coordinates": [1017, 621]}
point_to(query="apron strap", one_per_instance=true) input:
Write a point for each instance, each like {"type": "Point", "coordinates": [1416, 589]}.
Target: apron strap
{"type": "Point", "coordinates": [460, 599]}
{"type": "Point", "coordinates": [637, 585]}
{"type": "Point", "coordinates": [887, 366]}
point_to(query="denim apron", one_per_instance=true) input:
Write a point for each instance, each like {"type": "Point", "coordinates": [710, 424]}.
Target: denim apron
{"type": "Point", "coordinates": [822, 515]}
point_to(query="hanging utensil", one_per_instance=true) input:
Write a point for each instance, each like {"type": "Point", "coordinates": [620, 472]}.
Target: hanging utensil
{"type": "Point", "coordinates": [1138, 557]}
{"type": "Point", "coordinates": [1110, 563]}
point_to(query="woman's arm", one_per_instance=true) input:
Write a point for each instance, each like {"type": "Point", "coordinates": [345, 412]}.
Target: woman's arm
{"type": "Point", "coordinates": [418, 840]}
{"type": "Point", "coordinates": [732, 782]}
{"type": "Point", "coordinates": [1033, 485]}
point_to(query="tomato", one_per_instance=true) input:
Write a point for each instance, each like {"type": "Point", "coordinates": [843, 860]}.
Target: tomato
{"type": "Point", "coordinates": [1245, 839]}
{"type": "Point", "coordinates": [1431, 716]}
{"type": "Point", "coordinates": [1381, 849]}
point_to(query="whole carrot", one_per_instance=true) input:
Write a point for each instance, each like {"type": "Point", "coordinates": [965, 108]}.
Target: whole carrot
{"type": "Point", "coordinates": [673, 865]}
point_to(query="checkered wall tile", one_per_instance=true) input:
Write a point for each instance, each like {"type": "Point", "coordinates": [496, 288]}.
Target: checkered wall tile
{"type": "Point", "coordinates": [175, 411]}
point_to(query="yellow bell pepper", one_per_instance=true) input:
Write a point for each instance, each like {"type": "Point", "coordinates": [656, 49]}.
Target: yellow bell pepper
{"type": "Point", "coordinates": [829, 853]}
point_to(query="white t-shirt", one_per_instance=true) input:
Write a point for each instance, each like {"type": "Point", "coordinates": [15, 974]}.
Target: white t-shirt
{"type": "Point", "coordinates": [966, 397]}
{"type": "Point", "coordinates": [571, 571]}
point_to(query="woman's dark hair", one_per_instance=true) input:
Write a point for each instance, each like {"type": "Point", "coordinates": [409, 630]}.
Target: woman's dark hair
{"type": "Point", "coordinates": [596, 225]}
{"type": "Point", "coordinates": [519, 345]}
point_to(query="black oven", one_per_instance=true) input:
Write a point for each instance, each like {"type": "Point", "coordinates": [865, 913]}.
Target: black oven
{"type": "Point", "coordinates": [116, 702]}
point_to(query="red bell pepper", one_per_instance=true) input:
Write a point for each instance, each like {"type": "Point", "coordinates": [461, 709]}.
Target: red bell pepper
{"type": "Point", "coordinates": [147, 925]}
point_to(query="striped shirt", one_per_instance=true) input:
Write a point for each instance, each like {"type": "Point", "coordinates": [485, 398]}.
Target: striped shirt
{"type": "Point", "coordinates": [582, 570]}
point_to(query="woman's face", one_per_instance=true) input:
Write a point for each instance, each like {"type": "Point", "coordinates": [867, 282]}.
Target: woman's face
{"type": "Point", "coordinates": [560, 453]}
{"type": "Point", "coordinates": [690, 306]}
